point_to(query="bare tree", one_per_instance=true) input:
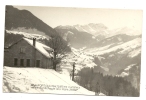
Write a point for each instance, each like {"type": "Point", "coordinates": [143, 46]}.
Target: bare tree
{"type": "Point", "coordinates": [60, 48]}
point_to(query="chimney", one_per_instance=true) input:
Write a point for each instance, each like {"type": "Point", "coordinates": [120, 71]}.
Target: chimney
{"type": "Point", "coordinates": [34, 41]}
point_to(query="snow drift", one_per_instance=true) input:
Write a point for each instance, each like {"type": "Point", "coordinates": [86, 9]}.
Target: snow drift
{"type": "Point", "coordinates": [36, 80]}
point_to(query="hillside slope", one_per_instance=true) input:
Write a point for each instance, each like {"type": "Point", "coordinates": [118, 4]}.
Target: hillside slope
{"type": "Point", "coordinates": [36, 80]}
{"type": "Point", "coordinates": [120, 56]}
{"type": "Point", "coordinates": [25, 21]}
{"type": "Point", "coordinates": [77, 39]}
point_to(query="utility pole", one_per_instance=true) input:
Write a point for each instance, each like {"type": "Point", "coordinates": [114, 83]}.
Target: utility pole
{"type": "Point", "coordinates": [73, 71]}
{"type": "Point", "coordinates": [97, 88]}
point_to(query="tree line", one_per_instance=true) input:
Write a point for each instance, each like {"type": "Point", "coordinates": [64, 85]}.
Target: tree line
{"type": "Point", "coordinates": [107, 84]}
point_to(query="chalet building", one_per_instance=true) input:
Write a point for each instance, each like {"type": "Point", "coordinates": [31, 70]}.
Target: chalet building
{"type": "Point", "coordinates": [28, 53]}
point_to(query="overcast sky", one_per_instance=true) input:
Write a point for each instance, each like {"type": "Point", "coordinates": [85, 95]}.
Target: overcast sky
{"type": "Point", "coordinates": [112, 18]}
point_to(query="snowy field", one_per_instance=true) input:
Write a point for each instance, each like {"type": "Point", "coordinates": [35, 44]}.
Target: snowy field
{"type": "Point", "coordinates": [36, 80]}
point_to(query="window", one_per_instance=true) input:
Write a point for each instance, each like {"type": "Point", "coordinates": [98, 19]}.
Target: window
{"type": "Point", "coordinates": [15, 61]}
{"type": "Point", "coordinates": [22, 50]}
{"type": "Point", "coordinates": [21, 62]}
{"type": "Point", "coordinates": [28, 63]}
{"type": "Point", "coordinates": [37, 63]}
{"type": "Point", "coordinates": [6, 50]}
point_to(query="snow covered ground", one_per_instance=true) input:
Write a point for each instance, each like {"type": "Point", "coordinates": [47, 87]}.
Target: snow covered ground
{"type": "Point", "coordinates": [81, 60]}
{"type": "Point", "coordinates": [133, 46]}
{"type": "Point", "coordinates": [29, 34]}
{"type": "Point", "coordinates": [37, 80]}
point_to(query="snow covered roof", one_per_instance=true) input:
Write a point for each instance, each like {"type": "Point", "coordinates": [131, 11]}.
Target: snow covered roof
{"type": "Point", "coordinates": [40, 47]}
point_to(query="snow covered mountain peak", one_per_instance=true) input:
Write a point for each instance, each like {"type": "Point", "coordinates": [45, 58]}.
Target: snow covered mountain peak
{"type": "Point", "coordinates": [126, 30]}
{"type": "Point", "coordinates": [65, 27]}
{"type": "Point", "coordinates": [92, 28]}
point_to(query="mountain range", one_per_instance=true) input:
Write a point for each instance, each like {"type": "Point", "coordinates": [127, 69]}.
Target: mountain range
{"type": "Point", "coordinates": [107, 51]}
{"type": "Point", "coordinates": [78, 35]}
{"type": "Point", "coordinates": [93, 45]}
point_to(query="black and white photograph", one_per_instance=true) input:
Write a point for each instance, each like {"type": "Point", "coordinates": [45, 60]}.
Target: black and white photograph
{"type": "Point", "coordinates": [72, 50]}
